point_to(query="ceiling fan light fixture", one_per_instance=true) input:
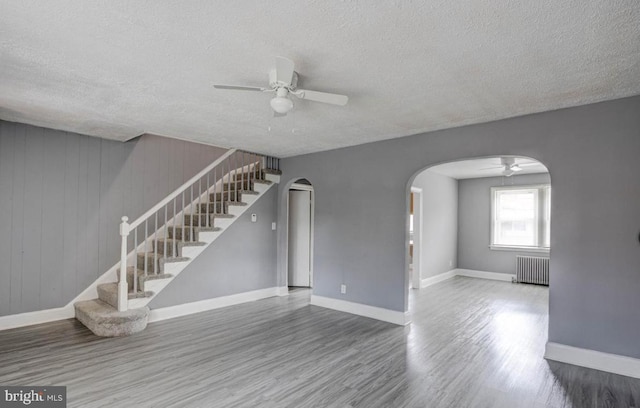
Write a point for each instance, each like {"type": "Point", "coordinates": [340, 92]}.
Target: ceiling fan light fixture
{"type": "Point", "coordinates": [281, 104]}
{"type": "Point", "coordinates": [283, 80]}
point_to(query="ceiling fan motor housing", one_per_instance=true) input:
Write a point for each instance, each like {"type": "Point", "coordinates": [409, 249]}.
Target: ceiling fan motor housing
{"type": "Point", "coordinates": [274, 83]}
{"type": "Point", "coordinates": [281, 103]}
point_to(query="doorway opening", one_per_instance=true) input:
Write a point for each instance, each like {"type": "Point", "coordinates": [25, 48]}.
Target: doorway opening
{"type": "Point", "coordinates": [486, 238]}
{"type": "Point", "coordinates": [300, 242]}
{"type": "Point", "coordinates": [486, 217]}
{"type": "Point", "coordinates": [415, 236]}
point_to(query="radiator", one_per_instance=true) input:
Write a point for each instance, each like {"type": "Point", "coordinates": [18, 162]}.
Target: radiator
{"type": "Point", "coordinates": [532, 269]}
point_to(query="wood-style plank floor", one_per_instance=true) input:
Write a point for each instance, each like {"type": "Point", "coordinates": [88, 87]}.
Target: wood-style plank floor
{"type": "Point", "coordinates": [473, 343]}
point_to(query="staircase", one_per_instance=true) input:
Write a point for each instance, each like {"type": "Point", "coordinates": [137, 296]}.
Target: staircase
{"type": "Point", "coordinates": [161, 243]}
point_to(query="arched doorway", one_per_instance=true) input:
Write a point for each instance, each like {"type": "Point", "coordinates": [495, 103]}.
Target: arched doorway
{"type": "Point", "coordinates": [469, 225]}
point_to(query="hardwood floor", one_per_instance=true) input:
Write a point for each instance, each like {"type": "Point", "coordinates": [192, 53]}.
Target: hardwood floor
{"type": "Point", "coordinates": [473, 343]}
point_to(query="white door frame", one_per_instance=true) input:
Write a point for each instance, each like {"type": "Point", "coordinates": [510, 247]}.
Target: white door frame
{"type": "Point", "coordinates": [416, 278]}
{"type": "Point", "coordinates": [306, 187]}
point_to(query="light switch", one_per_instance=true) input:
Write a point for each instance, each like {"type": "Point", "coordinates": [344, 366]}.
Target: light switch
{"type": "Point", "coordinates": [254, 217]}
{"type": "Point", "coordinates": [273, 226]}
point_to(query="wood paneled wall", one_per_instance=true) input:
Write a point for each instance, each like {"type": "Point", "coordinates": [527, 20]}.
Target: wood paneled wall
{"type": "Point", "coordinates": [61, 198]}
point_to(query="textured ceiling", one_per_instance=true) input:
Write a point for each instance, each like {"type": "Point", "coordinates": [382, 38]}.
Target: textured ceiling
{"type": "Point", "coordinates": [116, 69]}
{"type": "Point", "coordinates": [486, 167]}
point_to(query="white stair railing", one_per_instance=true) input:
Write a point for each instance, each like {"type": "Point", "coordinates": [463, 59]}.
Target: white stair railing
{"type": "Point", "coordinates": [202, 198]}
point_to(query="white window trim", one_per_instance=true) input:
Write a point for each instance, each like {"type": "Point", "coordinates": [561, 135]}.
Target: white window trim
{"type": "Point", "coordinates": [539, 219]}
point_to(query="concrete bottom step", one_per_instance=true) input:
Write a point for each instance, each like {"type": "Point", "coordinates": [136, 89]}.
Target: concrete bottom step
{"type": "Point", "coordinates": [103, 320]}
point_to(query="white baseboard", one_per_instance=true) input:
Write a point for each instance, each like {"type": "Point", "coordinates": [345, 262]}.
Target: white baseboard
{"type": "Point", "coordinates": [184, 309]}
{"type": "Point", "coordinates": [37, 317]}
{"type": "Point", "coordinates": [612, 363]}
{"type": "Point", "coordinates": [470, 273]}
{"type": "Point", "coordinates": [68, 312]}
{"type": "Point", "coordinates": [386, 315]}
{"type": "Point", "coordinates": [437, 279]}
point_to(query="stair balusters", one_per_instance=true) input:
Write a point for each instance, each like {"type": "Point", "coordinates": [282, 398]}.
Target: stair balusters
{"type": "Point", "coordinates": [227, 186]}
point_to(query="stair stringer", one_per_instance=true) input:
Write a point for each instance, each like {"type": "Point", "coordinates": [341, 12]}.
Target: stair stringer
{"type": "Point", "coordinates": [174, 268]}
{"type": "Point", "coordinates": [208, 237]}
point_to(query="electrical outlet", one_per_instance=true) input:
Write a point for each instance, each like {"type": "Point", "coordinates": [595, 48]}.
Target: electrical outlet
{"type": "Point", "coordinates": [343, 288]}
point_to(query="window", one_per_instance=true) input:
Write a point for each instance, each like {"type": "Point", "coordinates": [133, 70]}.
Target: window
{"type": "Point", "coordinates": [521, 217]}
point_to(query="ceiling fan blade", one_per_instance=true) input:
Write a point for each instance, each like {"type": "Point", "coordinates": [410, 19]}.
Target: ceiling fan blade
{"type": "Point", "coordinates": [324, 97]}
{"type": "Point", "coordinates": [492, 168]}
{"type": "Point", "coordinates": [239, 88]}
{"type": "Point", "coordinates": [284, 70]}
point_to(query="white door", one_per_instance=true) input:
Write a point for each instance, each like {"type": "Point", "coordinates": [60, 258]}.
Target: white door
{"type": "Point", "coordinates": [417, 237]}
{"type": "Point", "coordinates": [299, 238]}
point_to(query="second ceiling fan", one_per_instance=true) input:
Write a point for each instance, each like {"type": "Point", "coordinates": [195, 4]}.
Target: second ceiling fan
{"type": "Point", "coordinates": [283, 81]}
{"type": "Point", "coordinates": [510, 166]}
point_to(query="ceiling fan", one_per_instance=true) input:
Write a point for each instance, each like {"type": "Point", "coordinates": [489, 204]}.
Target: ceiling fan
{"type": "Point", "coordinates": [510, 166]}
{"type": "Point", "coordinates": [283, 81]}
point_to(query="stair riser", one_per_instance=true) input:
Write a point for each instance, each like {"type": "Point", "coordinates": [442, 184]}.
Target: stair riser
{"type": "Point", "coordinates": [248, 176]}
{"type": "Point", "coordinates": [199, 220]}
{"type": "Point", "coordinates": [225, 196]}
{"type": "Point", "coordinates": [129, 280]}
{"type": "Point", "coordinates": [172, 249]}
{"type": "Point", "coordinates": [143, 281]}
{"type": "Point", "coordinates": [108, 293]}
{"type": "Point", "coordinates": [163, 264]}
{"type": "Point", "coordinates": [237, 185]}
{"type": "Point", "coordinates": [152, 266]}
{"type": "Point", "coordinates": [108, 297]}
{"type": "Point", "coordinates": [131, 277]}
{"type": "Point", "coordinates": [213, 208]}
{"type": "Point", "coordinates": [188, 233]}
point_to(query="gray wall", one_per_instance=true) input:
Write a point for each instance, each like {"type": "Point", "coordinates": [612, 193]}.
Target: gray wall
{"type": "Point", "coordinates": [474, 223]}
{"type": "Point", "coordinates": [240, 260]}
{"type": "Point", "coordinates": [61, 199]}
{"type": "Point", "coordinates": [439, 223]}
{"type": "Point", "coordinates": [361, 197]}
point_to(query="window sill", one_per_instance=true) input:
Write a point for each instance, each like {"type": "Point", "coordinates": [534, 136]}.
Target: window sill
{"type": "Point", "coordinates": [519, 249]}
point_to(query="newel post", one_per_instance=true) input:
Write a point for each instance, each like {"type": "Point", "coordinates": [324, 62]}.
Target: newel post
{"type": "Point", "coordinates": [123, 289]}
